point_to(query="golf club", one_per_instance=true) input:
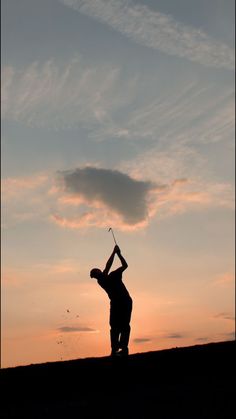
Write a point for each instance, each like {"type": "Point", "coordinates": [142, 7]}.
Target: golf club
{"type": "Point", "coordinates": [110, 229]}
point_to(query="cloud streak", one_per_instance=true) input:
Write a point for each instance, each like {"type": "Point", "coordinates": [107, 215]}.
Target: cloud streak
{"type": "Point", "coordinates": [157, 30]}
{"type": "Point", "coordinates": [224, 316]}
{"type": "Point", "coordinates": [23, 198]}
{"type": "Point", "coordinates": [70, 329]}
{"type": "Point", "coordinates": [192, 113]}
{"type": "Point", "coordinates": [202, 339]}
{"type": "Point", "coordinates": [14, 187]}
{"type": "Point", "coordinates": [141, 340]}
{"type": "Point", "coordinates": [94, 98]}
{"type": "Point", "coordinates": [64, 96]}
{"type": "Point", "coordinates": [174, 336]}
{"type": "Point", "coordinates": [170, 166]}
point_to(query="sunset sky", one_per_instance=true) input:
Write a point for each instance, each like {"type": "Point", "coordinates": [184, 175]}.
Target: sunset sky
{"type": "Point", "coordinates": [116, 113]}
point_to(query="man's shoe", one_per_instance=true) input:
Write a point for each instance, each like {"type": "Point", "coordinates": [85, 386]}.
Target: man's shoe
{"type": "Point", "coordinates": [114, 353]}
{"type": "Point", "coordinates": [123, 352]}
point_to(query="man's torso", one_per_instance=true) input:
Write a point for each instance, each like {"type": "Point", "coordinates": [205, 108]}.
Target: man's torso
{"type": "Point", "coordinates": [114, 287]}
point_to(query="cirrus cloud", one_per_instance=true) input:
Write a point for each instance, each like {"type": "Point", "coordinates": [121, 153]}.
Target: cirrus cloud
{"type": "Point", "coordinates": [157, 31]}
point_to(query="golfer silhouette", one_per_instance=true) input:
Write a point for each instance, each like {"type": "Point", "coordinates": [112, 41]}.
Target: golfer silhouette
{"type": "Point", "coordinates": [120, 303]}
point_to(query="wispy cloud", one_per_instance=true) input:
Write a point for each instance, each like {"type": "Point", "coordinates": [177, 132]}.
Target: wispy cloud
{"type": "Point", "coordinates": [23, 198]}
{"type": "Point", "coordinates": [13, 187]}
{"type": "Point", "coordinates": [170, 166]}
{"type": "Point", "coordinates": [174, 336]}
{"type": "Point", "coordinates": [78, 95]}
{"type": "Point", "coordinates": [157, 30]}
{"type": "Point", "coordinates": [72, 329]}
{"type": "Point", "coordinates": [61, 267]}
{"type": "Point", "coordinates": [202, 339]}
{"type": "Point", "coordinates": [224, 316]}
{"type": "Point", "coordinates": [141, 340]}
{"type": "Point", "coordinates": [192, 113]}
{"type": "Point", "coordinates": [64, 96]}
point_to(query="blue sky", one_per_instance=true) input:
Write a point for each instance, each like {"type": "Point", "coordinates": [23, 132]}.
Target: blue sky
{"type": "Point", "coordinates": [135, 100]}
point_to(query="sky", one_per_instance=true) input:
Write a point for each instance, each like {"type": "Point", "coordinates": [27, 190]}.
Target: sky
{"type": "Point", "coordinates": [116, 113]}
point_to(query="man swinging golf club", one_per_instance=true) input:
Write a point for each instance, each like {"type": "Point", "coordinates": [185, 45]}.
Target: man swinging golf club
{"type": "Point", "coordinates": [120, 302]}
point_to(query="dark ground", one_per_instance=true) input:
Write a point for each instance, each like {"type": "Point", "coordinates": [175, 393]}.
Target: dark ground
{"type": "Point", "coordinates": [183, 383]}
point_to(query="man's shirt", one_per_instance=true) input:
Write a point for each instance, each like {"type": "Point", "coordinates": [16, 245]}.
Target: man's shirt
{"type": "Point", "coordinates": [114, 287]}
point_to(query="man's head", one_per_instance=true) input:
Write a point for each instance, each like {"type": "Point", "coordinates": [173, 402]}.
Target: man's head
{"type": "Point", "coordinates": [96, 273]}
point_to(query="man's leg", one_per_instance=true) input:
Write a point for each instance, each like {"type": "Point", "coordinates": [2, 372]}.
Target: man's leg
{"type": "Point", "coordinates": [115, 330]}
{"type": "Point", "coordinates": [124, 338]}
{"type": "Point", "coordinates": [114, 334]}
{"type": "Point", "coordinates": [125, 330]}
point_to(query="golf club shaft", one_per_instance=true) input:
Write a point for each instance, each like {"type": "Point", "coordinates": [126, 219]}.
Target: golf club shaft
{"type": "Point", "coordinates": [110, 229]}
{"type": "Point", "coordinates": [113, 237]}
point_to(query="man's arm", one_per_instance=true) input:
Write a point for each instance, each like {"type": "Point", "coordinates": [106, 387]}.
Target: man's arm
{"type": "Point", "coordinates": [109, 262]}
{"type": "Point", "coordinates": [124, 264]}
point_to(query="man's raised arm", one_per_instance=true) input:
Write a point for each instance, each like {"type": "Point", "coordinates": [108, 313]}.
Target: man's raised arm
{"type": "Point", "coordinates": [122, 259]}
{"type": "Point", "coordinates": [109, 262]}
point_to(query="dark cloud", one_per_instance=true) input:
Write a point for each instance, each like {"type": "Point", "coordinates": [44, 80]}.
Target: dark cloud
{"type": "Point", "coordinates": [174, 336]}
{"type": "Point", "coordinates": [224, 316]}
{"type": "Point", "coordinates": [68, 329]}
{"type": "Point", "coordinates": [201, 339]}
{"type": "Point", "coordinates": [141, 340]}
{"type": "Point", "coordinates": [118, 191]}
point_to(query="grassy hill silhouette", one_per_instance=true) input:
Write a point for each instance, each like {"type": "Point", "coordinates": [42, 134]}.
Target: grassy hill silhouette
{"type": "Point", "coordinates": [194, 382]}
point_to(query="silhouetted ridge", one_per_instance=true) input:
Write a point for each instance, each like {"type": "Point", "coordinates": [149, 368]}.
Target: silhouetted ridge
{"type": "Point", "coordinates": [192, 382]}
